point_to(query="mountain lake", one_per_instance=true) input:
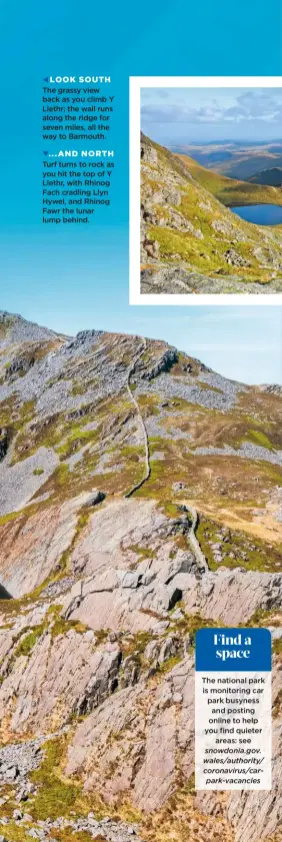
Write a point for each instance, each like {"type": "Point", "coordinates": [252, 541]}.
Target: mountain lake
{"type": "Point", "coordinates": [260, 214]}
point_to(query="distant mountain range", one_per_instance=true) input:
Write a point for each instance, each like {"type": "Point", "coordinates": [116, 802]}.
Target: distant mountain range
{"type": "Point", "coordinates": [236, 160]}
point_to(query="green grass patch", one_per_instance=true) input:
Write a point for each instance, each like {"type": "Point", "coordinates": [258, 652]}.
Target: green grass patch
{"type": "Point", "coordinates": [56, 796]}
{"type": "Point", "coordinates": [190, 624]}
{"type": "Point", "coordinates": [258, 437]}
{"type": "Point", "coordinates": [231, 191]}
{"type": "Point", "coordinates": [277, 646]}
{"type": "Point", "coordinates": [27, 643]}
{"type": "Point", "coordinates": [168, 665]}
{"type": "Point", "coordinates": [237, 548]}
{"type": "Point", "coordinates": [61, 626]}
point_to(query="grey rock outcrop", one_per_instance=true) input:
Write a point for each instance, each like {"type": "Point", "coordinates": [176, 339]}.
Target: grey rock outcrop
{"type": "Point", "coordinates": [132, 599]}
{"type": "Point", "coordinates": [235, 595]}
{"type": "Point", "coordinates": [148, 153]}
{"type": "Point", "coordinates": [61, 676]}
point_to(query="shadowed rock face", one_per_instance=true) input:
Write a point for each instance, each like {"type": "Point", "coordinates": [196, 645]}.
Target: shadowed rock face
{"type": "Point", "coordinates": [4, 593]}
{"type": "Point", "coordinates": [4, 442]}
{"type": "Point", "coordinates": [112, 567]}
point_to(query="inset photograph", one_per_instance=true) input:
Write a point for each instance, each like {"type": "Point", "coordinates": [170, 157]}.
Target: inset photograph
{"type": "Point", "coordinates": [210, 190]}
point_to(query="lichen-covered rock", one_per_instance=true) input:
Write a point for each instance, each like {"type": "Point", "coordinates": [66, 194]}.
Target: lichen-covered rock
{"type": "Point", "coordinates": [32, 547]}
{"type": "Point", "coordinates": [234, 259]}
{"type": "Point", "coordinates": [153, 726]}
{"type": "Point", "coordinates": [133, 599]}
{"type": "Point", "coordinates": [61, 676]}
{"type": "Point", "coordinates": [148, 153]}
{"type": "Point", "coordinates": [235, 595]}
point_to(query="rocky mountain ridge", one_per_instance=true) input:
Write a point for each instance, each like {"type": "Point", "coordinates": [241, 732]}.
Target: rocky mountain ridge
{"type": "Point", "coordinates": [140, 500]}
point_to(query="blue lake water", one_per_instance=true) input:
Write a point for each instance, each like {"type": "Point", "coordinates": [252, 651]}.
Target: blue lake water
{"type": "Point", "coordinates": [260, 214]}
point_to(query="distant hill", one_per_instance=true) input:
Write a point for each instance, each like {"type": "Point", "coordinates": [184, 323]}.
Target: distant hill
{"type": "Point", "coordinates": [272, 177]}
{"type": "Point", "coordinates": [207, 157]}
{"type": "Point", "coordinates": [235, 160]}
{"type": "Point", "coordinates": [246, 165]}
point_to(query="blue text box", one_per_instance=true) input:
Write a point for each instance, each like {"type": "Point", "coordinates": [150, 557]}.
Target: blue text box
{"type": "Point", "coordinates": [233, 650]}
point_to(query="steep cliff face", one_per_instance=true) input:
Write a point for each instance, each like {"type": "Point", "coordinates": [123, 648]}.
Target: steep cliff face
{"type": "Point", "coordinates": [140, 499]}
{"type": "Point", "coordinates": [190, 240]}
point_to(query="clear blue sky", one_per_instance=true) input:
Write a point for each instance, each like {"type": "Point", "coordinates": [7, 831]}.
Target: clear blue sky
{"type": "Point", "coordinates": [182, 115]}
{"type": "Point", "coordinates": [71, 277]}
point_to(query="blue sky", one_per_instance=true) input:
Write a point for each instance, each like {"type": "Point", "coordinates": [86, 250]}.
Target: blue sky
{"type": "Point", "coordinates": [182, 115]}
{"type": "Point", "coordinates": [73, 278]}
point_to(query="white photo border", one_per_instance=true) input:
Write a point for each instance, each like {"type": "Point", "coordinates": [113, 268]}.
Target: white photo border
{"type": "Point", "coordinates": [135, 85]}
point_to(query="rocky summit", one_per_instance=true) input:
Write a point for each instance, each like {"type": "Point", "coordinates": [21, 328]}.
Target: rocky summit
{"type": "Point", "coordinates": [191, 242]}
{"type": "Point", "coordinates": [140, 499]}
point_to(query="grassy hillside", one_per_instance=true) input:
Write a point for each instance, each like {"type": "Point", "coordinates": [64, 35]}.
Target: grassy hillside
{"type": "Point", "coordinates": [186, 221]}
{"type": "Point", "coordinates": [232, 192]}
